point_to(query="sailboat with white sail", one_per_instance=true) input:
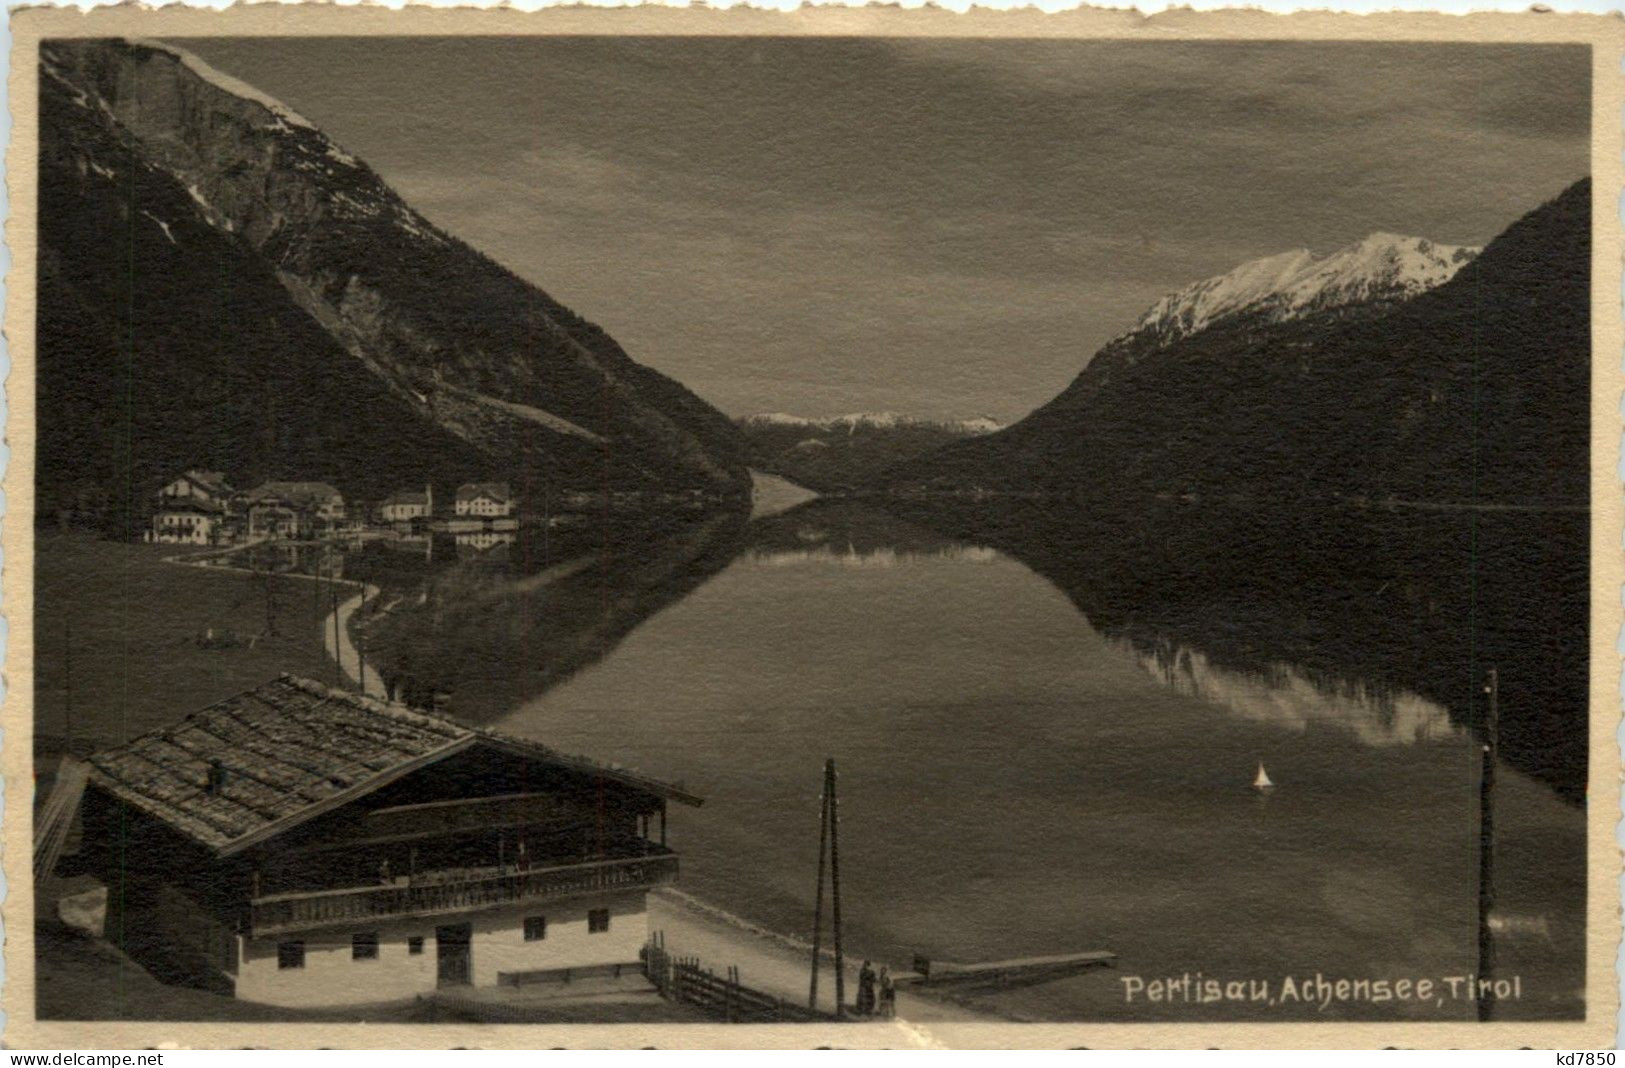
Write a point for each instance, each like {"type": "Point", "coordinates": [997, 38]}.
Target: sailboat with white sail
{"type": "Point", "coordinates": [1261, 781]}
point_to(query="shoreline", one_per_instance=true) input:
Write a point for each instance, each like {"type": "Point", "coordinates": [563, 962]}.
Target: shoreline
{"type": "Point", "coordinates": [779, 964]}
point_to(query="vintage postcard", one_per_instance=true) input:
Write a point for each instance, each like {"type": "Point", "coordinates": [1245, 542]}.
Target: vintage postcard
{"type": "Point", "coordinates": [847, 527]}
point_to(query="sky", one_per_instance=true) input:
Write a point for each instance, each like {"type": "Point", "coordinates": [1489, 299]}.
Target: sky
{"type": "Point", "coordinates": [947, 228]}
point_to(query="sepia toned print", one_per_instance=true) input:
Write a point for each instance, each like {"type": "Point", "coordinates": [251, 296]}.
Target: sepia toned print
{"type": "Point", "coordinates": [945, 530]}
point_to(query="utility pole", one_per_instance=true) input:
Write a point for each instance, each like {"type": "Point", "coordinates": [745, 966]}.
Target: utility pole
{"type": "Point", "coordinates": [828, 845]}
{"type": "Point", "coordinates": [67, 681]}
{"type": "Point", "coordinates": [1486, 848]}
{"type": "Point", "coordinates": [835, 887]}
{"type": "Point", "coordinates": [360, 651]}
{"type": "Point", "coordinates": [818, 897]}
{"type": "Point", "coordinates": [338, 652]}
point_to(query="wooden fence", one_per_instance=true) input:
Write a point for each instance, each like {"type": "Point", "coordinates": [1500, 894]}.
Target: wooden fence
{"type": "Point", "coordinates": [686, 980]}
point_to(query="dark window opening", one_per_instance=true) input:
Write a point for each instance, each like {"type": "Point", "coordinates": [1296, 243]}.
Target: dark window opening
{"type": "Point", "coordinates": [597, 921]}
{"type": "Point", "coordinates": [535, 928]}
{"type": "Point", "coordinates": [290, 955]}
{"type": "Point", "coordinates": [364, 946]}
{"type": "Point", "coordinates": [414, 945]}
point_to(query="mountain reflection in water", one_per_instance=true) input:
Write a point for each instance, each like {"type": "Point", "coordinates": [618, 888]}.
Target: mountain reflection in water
{"type": "Point", "coordinates": [480, 628]}
{"type": "Point", "coordinates": [1288, 697]}
{"type": "Point", "coordinates": [1389, 603]}
{"type": "Point", "coordinates": [1381, 624]}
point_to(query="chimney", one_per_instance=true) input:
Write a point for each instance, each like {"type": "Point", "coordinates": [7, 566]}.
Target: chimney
{"type": "Point", "coordinates": [217, 777]}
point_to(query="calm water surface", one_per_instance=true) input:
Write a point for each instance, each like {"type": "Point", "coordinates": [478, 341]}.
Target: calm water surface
{"type": "Point", "coordinates": [1034, 765]}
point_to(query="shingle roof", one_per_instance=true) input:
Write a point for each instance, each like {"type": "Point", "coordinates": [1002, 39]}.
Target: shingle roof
{"type": "Point", "coordinates": [301, 493]}
{"type": "Point", "coordinates": [213, 481]}
{"type": "Point", "coordinates": [293, 749]}
{"type": "Point", "coordinates": [497, 491]}
{"type": "Point", "coordinates": [407, 497]}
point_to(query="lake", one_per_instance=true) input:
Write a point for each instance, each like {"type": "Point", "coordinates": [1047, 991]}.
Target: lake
{"type": "Point", "coordinates": [1046, 724]}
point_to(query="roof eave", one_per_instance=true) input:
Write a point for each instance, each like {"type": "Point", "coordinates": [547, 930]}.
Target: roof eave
{"type": "Point", "coordinates": [657, 787]}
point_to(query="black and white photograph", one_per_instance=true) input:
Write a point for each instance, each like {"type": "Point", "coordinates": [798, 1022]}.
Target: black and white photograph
{"type": "Point", "coordinates": [771, 528]}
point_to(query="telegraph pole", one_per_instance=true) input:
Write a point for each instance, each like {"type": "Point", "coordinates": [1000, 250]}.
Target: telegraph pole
{"type": "Point", "coordinates": [818, 897]}
{"type": "Point", "coordinates": [338, 652]}
{"type": "Point", "coordinates": [360, 652]}
{"type": "Point", "coordinates": [835, 887]}
{"type": "Point", "coordinates": [1486, 847]}
{"type": "Point", "coordinates": [67, 681]}
{"type": "Point", "coordinates": [828, 845]}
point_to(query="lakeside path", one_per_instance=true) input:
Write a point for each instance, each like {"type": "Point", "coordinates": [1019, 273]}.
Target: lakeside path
{"type": "Point", "coordinates": [777, 965]}
{"type": "Point", "coordinates": [340, 646]}
{"type": "Point", "coordinates": [336, 639]}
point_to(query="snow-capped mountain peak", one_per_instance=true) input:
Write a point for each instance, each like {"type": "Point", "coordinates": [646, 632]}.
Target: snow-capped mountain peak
{"type": "Point", "coordinates": [778, 419]}
{"type": "Point", "coordinates": [1379, 267]}
{"type": "Point", "coordinates": [877, 420]}
{"type": "Point", "coordinates": [873, 421]}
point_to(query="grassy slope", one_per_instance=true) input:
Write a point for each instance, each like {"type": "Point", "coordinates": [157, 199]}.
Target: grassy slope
{"type": "Point", "coordinates": [116, 627]}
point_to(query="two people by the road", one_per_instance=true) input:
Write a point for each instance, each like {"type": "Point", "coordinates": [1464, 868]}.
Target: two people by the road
{"type": "Point", "coordinates": [877, 993]}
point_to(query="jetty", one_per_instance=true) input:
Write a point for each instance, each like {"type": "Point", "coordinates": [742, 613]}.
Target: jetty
{"type": "Point", "coordinates": [1013, 972]}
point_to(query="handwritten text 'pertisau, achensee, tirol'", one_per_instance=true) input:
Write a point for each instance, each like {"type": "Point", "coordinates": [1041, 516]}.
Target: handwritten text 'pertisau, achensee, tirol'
{"type": "Point", "coordinates": [1323, 991]}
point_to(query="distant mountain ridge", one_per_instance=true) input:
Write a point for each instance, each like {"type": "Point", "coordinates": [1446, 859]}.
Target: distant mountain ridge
{"type": "Point", "coordinates": [1387, 372]}
{"type": "Point", "coordinates": [874, 421]}
{"type": "Point", "coordinates": [383, 348]}
{"type": "Point", "coordinates": [844, 452]}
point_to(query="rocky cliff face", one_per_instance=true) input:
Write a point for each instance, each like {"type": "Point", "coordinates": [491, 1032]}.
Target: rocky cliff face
{"type": "Point", "coordinates": [462, 347]}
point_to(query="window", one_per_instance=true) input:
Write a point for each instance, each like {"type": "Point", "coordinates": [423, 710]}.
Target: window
{"type": "Point", "coordinates": [535, 928]}
{"type": "Point", "coordinates": [597, 921]}
{"type": "Point", "coordinates": [414, 945]}
{"type": "Point", "coordinates": [290, 955]}
{"type": "Point", "coordinates": [364, 945]}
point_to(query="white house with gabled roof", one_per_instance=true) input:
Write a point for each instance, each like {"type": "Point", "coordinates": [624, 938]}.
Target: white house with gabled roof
{"type": "Point", "coordinates": [304, 846]}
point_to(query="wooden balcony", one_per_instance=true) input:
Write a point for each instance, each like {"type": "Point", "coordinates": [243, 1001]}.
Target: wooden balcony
{"type": "Point", "coordinates": [448, 893]}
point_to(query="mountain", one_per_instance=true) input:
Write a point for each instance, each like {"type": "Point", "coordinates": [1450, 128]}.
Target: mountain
{"type": "Point", "coordinates": [1382, 268]}
{"type": "Point", "coordinates": [222, 285]}
{"type": "Point", "coordinates": [844, 452]}
{"type": "Point", "coordinates": [873, 421]}
{"type": "Point", "coordinates": [1339, 378]}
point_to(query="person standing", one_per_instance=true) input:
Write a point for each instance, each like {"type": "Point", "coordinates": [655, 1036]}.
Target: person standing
{"type": "Point", "coordinates": [866, 990]}
{"type": "Point", "coordinates": [888, 994]}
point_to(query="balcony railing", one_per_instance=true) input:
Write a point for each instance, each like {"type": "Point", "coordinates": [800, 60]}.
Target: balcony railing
{"type": "Point", "coordinates": [444, 893]}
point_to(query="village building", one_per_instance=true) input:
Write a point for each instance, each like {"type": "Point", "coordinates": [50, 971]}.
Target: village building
{"type": "Point", "coordinates": [302, 846]}
{"type": "Point", "coordinates": [488, 500]}
{"type": "Point", "coordinates": [188, 521]}
{"type": "Point", "coordinates": [208, 487]}
{"type": "Point", "coordinates": [191, 509]}
{"type": "Point", "coordinates": [293, 510]}
{"type": "Point", "coordinates": [408, 506]}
